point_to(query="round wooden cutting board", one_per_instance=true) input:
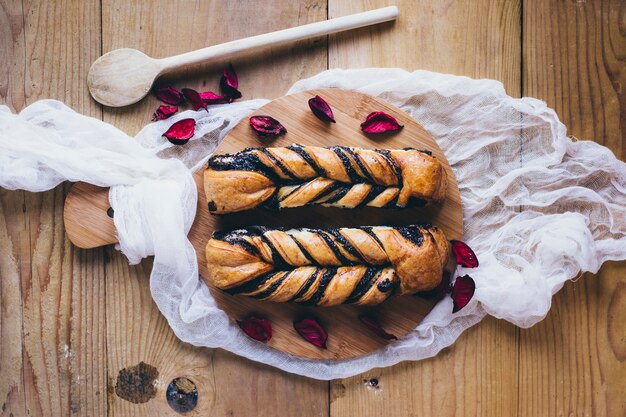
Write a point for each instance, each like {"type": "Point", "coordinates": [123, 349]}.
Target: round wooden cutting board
{"type": "Point", "coordinates": [88, 225]}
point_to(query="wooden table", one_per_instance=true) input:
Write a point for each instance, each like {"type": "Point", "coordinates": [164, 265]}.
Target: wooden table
{"type": "Point", "coordinates": [71, 319]}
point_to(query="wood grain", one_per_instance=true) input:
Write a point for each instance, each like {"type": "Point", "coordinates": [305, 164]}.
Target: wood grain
{"type": "Point", "coordinates": [165, 27]}
{"type": "Point", "coordinates": [477, 375]}
{"type": "Point", "coordinates": [574, 361]}
{"type": "Point", "coordinates": [479, 39]}
{"type": "Point", "coordinates": [14, 234]}
{"type": "Point", "coordinates": [571, 364]}
{"type": "Point", "coordinates": [14, 266]}
{"type": "Point", "coordinates": [60, 298]}
{"type": "Point", "coordinates": [88, 225]}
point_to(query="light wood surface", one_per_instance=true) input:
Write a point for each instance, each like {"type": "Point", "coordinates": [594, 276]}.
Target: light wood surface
{"type": "Point", "coordinates": [574, 361]}
{"type": "Point", "coordinates": [88, 225]}
{"type": "Point", "coordinates": [124, 76]}
{"type": "Point", "coordinates": [572, 364]}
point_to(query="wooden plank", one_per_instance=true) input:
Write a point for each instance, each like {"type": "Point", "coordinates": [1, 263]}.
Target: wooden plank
{"type": "Point", "coordinates": [63, 314]}
{"type": "Point", "coordinates": [478, 39]}
{"type": "Point", "coordinates": [574, 361]}
{"type": "Point", "coordinates": [14, 237]}
{"type": "Point", "coordinates": [477, 375]}
{"type": "Point", "coordinates": [227, 385]}
{"type": "Point", "coordinates": [14, 265]}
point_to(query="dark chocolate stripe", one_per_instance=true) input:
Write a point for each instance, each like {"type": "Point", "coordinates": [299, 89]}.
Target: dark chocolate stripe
{"type": "Point", "coordinates": [359, 162]}
{"type": "Point", "coordinates": [272, 288]}
{"type": "Point", "coordinates": [333, 246]}
{"type": "Point", "coordinates": [295, 188]}
{"type": "Point", "coordinates": [394, 201]}
{"type": "Point", "coordinates": [412, 234]}
{"type": "Point", "coordinates": [365, 283]}
{"type": "Point", "coordinates": [339, 194]}
{"type": "Point", "coordinates": [332, 187]}
{"type": "Point", "coordinates": [251, 285]}
{"type": "Point", "coordinates": [238, 239]}
{"type": "Point", "coordinates": [374, 192]}
{"type": "Point", "coordinates": [280, 165]}
{"type": "Point", "coordinates": [272, 203]}
{"type": "Point", "coordinates": [249, 247]}
{"type": "Point", "coordinates": [277, 259]}
{"type": "Point", "coordinates": [392, 163]}
{"type": "Point", "coordinates": [354, 177]}
{"type": "Point", "coordinates": [418, 150]}
{"type": "Point", "coordinates": [306, 285]}
{"type": "Point", "coordinates": [432, 238]}
{"type": "Point", "coordinates": [305, 252]}
{"type": "Point", "coordinates": [319, 293]}
{"type": "Point", "coordinates": [321, 172]}
{"type": "Point", "coordinates": [344, 242]}
{"type": "Point", "coordinates": [242, 161]}
{"type": "Point", "coordinates": [369, 231]}
{"type": "Point", "coordinates": [385, 285]}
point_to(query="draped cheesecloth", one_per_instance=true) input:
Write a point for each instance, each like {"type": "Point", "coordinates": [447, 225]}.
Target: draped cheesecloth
{"type": "Point", "coordinates": [539, 208]}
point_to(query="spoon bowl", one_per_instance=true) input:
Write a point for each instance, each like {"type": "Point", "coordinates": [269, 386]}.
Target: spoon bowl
{"type": "Point", "coordinates": [132, 71]}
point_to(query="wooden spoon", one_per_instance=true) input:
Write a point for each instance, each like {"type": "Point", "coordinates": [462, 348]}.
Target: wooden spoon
{"type": "Point", "coordinates": [124, 76]}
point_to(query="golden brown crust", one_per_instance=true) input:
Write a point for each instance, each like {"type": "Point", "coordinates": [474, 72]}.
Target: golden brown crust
{"type": "Point", "coordinates": [338, 176]}
{"type": "Point", "coordinates": [328, 266]}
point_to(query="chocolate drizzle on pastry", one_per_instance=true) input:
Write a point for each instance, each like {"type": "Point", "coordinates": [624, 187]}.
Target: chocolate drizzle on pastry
{"type": "Point", "coordinates": [363, 265]}
{"type": "Point", "coordinates": [338, 176]}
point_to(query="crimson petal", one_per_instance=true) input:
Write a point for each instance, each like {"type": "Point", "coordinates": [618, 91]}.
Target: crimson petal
{"type": "Point", "coordinates": [462, 292]}
{"type": "Point", "coordinates": [209, 97]}
{"type": "Point", "coordinates": [321, 109]}
{"type": "Point", "coordinates": [180, 132]}
{"type": "Point", "coordinates": [266, 126]}
{"type": "Point", "coordinates": [257, 328]}
{"type": "Point", "coordinates": [229, 84]}
{"type": "Point", "coordinates": [163, 112]}
{"type": "Point", "coordinates": [463, 254]}
{"type": "Point", "coordinates": [194, 98]}
{"type": "Point", "coordinates": [379, 122]}
{"type": "Point", "coordinates": [169, 95]}
{"type": "Point", "coordinates": [440, 290]}
{"type": "Point", "coordinates": [311, 331]}
{"type": "Point", "coordinates": [375, 327]}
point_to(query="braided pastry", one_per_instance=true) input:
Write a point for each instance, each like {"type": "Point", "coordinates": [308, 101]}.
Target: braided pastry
{"type": "Point", "coordinates": [326, 267]}
{"type": "Point", "coordinates": [338, 176]}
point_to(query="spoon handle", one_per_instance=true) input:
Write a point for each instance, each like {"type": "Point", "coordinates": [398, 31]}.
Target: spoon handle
{"type": "Point", "coordinates": [297, 33]}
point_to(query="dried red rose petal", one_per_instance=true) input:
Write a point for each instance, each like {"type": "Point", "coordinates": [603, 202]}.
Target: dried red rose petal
{"type": "Point", "coordinates": [266, 126]}
{"type": "Point", "coordinates": [163, 112]}
{"type": "Point", "coordinates": [375, 327]}
{"type": "Point", "coordinates": [440, 290]}
{"type": "Point", "coordinates": [180, 132]}
{"type": "Point", "coordinates": [462, 292]}
{"type": "Point", "coordinates": [194, 98]}
{"type": "Point", "coordinates": [379, 122]}
{"type": "Point", "coordinates": [321, 109]}
{"type": "Point", "coordinates": [229, 84]}
{"type": "Point", "coordinates": [311, 331]}
{"type": "Point", "coordinates": [463, 254]}
{"type": "Point", "coordinates": [209, 97]}
{"type": "Point", "coordinates": [257, 328]}
{"type": "Point", "coordinates": [169, 95]}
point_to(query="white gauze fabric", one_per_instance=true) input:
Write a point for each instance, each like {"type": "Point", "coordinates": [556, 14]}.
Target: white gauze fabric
{"type": "Point", "coordinates": [539, 208]}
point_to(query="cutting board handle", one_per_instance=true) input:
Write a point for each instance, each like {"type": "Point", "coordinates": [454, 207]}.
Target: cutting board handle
{"type": "Point", "coordinates": [85, 214]}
